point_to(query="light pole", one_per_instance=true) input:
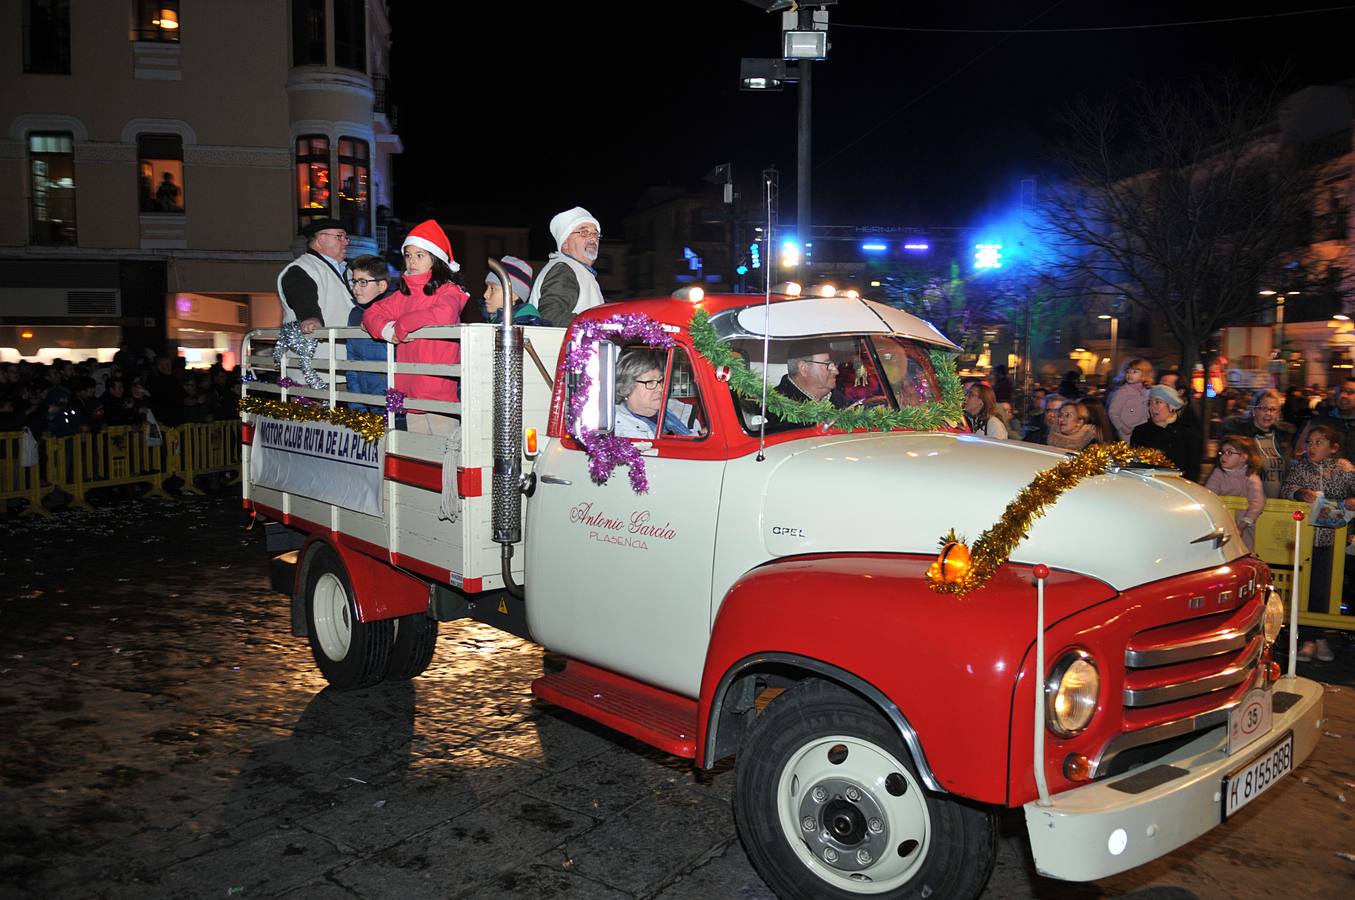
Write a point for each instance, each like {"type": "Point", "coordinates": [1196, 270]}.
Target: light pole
{"type": "Point", "coordinates": [804, 39]}
{"type": "Point", "coordinates": [1114, 342]}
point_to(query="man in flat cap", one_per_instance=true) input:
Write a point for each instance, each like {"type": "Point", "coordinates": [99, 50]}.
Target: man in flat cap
{"type": "Point", "coordinates": [568, 283]}
{"type": "Point", "coordinates": [314, 286]}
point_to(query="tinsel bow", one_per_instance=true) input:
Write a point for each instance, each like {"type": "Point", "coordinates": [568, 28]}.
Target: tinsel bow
{"type": "Point", "coordinates": [994, 547]}
{"type": "Point", "coordinates": [395, 402]}
{"type": "Point", "coordinates": [607, 451]}
{"type": "Point", "coordinates": [292, 339]}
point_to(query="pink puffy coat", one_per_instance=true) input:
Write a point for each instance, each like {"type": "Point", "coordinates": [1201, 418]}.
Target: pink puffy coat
{"type": "Point", "coordinates": [413, 311]}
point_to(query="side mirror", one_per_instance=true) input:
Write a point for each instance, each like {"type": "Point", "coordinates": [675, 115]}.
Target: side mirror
{"type": "Point", "coordinates": [599, 406]}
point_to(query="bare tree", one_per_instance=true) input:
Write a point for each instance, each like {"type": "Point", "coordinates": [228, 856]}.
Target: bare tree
{"type": "Point", "coordinates": [1184, 203]}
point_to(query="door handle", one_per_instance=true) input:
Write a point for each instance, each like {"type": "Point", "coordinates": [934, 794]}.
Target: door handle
{"type": "Point", "coordinates": [555, 479]}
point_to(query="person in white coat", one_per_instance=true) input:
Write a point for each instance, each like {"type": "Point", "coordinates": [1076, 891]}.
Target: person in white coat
{"type": "Point", "coordinates": [313, 287]}
{"type": "Point", "coordinates": [568, 283]}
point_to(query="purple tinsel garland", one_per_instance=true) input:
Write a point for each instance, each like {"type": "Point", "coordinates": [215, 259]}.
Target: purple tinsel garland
{"type": "Point", "coordinates": [395, 402]}
{"type": "Point", "coordinates": [607, 451]}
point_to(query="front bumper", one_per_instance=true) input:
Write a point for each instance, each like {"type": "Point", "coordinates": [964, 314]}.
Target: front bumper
{"type": "Point", "coordinates": [1097, 830]}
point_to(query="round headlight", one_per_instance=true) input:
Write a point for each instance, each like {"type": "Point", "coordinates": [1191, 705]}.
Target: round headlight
{"type": "Point", "coordinates": [1070, 693]}
{"type": "Point", "coordinates": [1274, 619]}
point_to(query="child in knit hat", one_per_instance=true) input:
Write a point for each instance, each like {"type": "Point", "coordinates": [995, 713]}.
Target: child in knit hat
{"type": "Point", "coordinates": [520, 277]}
{"type": "Point", "coordinates": [427, 296]}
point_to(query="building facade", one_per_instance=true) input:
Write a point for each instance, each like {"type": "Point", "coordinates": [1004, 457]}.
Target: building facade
{"type": "Point", "coordinates": [162, 157]}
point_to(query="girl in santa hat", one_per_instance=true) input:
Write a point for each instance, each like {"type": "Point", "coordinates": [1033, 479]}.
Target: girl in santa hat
{"type": "Point", "coordinates": [427, 296]}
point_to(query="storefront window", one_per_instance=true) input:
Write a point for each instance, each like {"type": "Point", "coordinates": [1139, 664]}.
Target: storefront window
{"type": "Point", "coordinates": [355, 187]}
{"type": "Point", "coordinates": [158, 20]}
{"type": "Point", "coordinates": [312, 179]}
{"type": "Point", "coordinates": [51, 165]}
{"type": "Point", "coordinates": [161, 184]}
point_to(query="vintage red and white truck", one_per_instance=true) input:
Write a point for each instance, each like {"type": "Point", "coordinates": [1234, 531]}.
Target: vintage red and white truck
{"type": "Point", "coordinates": [760, 587]}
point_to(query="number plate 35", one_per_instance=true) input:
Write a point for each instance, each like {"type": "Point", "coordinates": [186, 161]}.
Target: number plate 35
{"type": "Point", "coordinates": [1249, 720]}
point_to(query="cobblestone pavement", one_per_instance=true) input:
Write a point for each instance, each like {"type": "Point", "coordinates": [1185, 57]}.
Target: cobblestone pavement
{"type": "Point", "coordinates": [165, 736]}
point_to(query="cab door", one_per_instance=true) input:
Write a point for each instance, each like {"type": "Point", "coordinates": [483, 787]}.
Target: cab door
{"type": "Point", "coordinates": [621, 579]}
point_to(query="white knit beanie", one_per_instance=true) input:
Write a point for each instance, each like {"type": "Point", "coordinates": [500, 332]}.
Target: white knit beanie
{"type": "Point", "coordinates": [563, 224]}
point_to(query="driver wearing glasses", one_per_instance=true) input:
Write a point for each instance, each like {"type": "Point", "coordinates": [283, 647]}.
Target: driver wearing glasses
{"type": "Point", "coordinates": [811, 374]}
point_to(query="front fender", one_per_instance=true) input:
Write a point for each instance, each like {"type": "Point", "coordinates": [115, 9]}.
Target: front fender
{"type": "Point", "coordinates": [941, 667]}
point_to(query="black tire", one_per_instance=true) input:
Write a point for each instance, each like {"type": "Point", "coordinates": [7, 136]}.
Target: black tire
{"type": "Point", "coordinates": [416, 637]}
{"type": "Point", "coordinates": [350, 654]}
{"type": "Point", "coordinates": [829, 805]}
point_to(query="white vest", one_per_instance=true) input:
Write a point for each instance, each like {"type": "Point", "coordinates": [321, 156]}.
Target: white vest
{"type": "Point", "coordinates": [590, 295]}
{"type": "Point", "coordinates": [335, 301]}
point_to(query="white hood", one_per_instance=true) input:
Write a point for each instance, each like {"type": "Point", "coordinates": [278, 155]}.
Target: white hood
{"type": "Point", "coordinates": [899, 492]}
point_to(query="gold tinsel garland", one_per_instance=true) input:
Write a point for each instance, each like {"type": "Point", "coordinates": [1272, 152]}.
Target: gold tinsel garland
{"type": "Point", "coordinates": [371, 426]}
{"type": "Point", "coordinates": [994, 547]}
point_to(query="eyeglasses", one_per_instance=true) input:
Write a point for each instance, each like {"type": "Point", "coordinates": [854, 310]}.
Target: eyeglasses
{"type": "Point", "coordinates": [337, 235]}
{"type": "Point", "coordinates": [363, 282]}
{"type": "Point", "coordinates": [586, 233]}
{"type": "Point", "coordinates": [649, 384]}
{"type": "Point", "coordinates": [1231, 451]}
{"type": "Point", "coordinates": [1269, 409]}
{"type": "Point", "coordinates": [830, 364]}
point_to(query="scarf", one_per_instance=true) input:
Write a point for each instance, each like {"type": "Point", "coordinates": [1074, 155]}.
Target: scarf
{"type": "Point", "coordinates": [1076, 442]}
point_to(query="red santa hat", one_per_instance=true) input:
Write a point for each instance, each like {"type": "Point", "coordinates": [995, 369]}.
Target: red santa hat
{"type": "Point", "coordinates": [427, 235]}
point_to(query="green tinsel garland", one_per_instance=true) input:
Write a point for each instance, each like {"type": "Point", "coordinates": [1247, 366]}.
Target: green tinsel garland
{"type": "Point", "coordinates": [748, 385]}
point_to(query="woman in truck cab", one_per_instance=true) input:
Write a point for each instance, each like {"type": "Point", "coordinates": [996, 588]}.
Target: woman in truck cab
{"type": "Point", "coordinates": [639, 397]}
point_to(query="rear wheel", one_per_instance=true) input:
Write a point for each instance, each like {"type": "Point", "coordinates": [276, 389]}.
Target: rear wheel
{"type": "Point", "coordinates": [349, 653]}
{"type": "Point", "coordinates": [829, 805]}
{"type": "Point", "coordinates": [416, 638]}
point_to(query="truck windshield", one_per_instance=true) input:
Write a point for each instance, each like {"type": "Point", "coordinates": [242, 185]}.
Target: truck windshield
{"type": "Point", "coordinates": [867, 370]}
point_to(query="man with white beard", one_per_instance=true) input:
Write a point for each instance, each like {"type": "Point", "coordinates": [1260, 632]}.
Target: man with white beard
{"type": "Point", "coordinates": [568, 283]}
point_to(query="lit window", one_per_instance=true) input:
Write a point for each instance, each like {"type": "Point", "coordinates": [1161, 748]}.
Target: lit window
{"type": "Point", "coordinates": [312, 179]}
{"type": "Point", "coordinates": [355, 186]}
{"type": "Point", "coordinates": [160, 185]}
{"type": "Point", "coordinates": [158, 20]}
{"type": "Point", "coordinates": [51, 164]}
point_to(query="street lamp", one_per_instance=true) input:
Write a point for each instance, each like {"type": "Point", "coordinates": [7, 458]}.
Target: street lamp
{"type": "Point", "coordinates": [1114, 341]}
{"type": "Point", "coordinates": [804, 39]}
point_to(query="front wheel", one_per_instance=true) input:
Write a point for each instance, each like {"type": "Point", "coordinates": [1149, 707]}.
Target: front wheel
{"type": "Point", "coordinates": [350, 653]}
{"type": "Point", "coordinates": [828, 805]}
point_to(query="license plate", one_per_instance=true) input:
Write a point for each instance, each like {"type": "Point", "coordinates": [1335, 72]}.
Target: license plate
{"type": "Point", "coordinates": [1258, 776]}
{"type": "Point", "coordinates": [1249, 720]}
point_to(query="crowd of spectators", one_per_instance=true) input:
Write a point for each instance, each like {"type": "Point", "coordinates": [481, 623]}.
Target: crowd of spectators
{"type": "Point", "coordinates": [1297, 445]}
{"type": "Point", "coordinates": [64, 398]}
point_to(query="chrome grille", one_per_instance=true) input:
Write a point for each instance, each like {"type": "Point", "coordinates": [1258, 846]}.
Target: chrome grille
{"type": "Point", "coordinates": [1183, 677]}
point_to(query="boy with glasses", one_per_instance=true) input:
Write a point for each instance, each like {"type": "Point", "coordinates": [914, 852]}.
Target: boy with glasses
{"type": "Point", "coordinates": [369, 278]}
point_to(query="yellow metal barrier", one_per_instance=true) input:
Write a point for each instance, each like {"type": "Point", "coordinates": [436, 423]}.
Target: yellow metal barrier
{"type": "Point", "coordinates": [1275, 545]}
{"type": "Point", "coordinates": [119, 455]}
{"type": "Point", "coordinates": [204, 448]}
{"type": "Point", "coordinates": [18, 481]}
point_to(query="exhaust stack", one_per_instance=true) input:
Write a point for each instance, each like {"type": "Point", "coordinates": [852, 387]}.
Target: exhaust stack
{"type": "Point", "coordinates": [507, 486]}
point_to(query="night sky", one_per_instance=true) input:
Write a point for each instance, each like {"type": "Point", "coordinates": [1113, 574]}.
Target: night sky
{"type": "Point", "coordinates": [599, 101]}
